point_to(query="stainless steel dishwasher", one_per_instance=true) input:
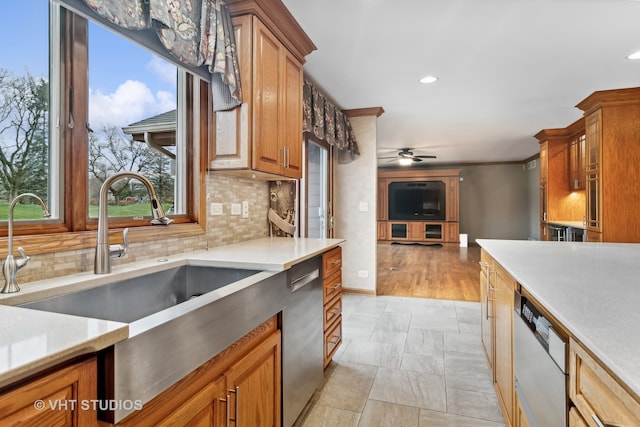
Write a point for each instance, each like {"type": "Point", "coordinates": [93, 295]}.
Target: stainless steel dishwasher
{"type": "Point", "coordinates": [540, 362]}
{"type": "Point", "coordinates": [302, 338]}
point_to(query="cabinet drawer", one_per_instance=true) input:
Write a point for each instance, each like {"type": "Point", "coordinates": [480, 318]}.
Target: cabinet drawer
{"type": "Point", "coordinates": [332, 310]}
{"type": "Point", "coordinates": [332, 261]}
{"type": "Point", "coordinates": [595, 392]}
{"type": "Point", "coordinates": [332, 285]}
{"type": "Point", "coordinates": [332, 340]}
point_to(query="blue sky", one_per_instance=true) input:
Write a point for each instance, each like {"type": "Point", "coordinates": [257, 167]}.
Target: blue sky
{"type": "Point", "coordinates": [127, 83]}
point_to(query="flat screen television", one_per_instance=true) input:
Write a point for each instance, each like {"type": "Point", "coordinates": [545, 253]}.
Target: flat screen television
{"type": "Point", "coordinates": [419, 201]}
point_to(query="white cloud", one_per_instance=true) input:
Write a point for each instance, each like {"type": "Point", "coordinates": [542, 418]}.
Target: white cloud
{"type": "Point", "coordinates": [132, 101]}
{"type": "Point", "coordinates": [163, 69]}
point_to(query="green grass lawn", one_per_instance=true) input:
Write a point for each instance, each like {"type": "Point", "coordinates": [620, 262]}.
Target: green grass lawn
{"type": "Point", "coordinates": [33, 211]}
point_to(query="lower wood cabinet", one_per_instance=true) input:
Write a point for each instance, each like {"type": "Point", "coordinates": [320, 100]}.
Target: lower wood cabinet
{"type": "Point", "coordinates": [240, 387]}
{"type": "Point", "coordinates": [497, 291]}
{"type": "Point", "coordinates": [503, 364]}
{"type": "Point", "coordinates": [332, 289]}
{"type": "Point", "coordinates": [596, 394]}
{"type": "Point", "coordinates": [419, 231]}
{"type": "Point", "coordinates": [520, 417]}
{"type": "Point", "coordinates": [60, 398]}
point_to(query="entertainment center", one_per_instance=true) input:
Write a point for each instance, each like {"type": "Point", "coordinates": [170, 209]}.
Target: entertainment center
{"type": "Point", "coordinates": [418, 206]}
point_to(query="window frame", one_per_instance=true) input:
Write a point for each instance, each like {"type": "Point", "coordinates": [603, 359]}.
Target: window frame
{"type": "Point", "coordinates": [73, 229]}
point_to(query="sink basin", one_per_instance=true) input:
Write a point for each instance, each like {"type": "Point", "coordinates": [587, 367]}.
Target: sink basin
{"type": "Point", "coordinates": [132, 299]}
{"type": "Point", "coordinates": [178, 319]}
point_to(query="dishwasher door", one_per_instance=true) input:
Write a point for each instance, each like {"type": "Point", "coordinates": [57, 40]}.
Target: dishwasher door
{"type": "Point", "coordinates": [539, 382]}
{"type": "Point", "coordinates": [302, 339]}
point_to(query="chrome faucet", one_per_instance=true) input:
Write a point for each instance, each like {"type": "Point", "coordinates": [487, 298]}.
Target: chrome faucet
{"type": "Point", "coordinates": [104, 251]}
{"type": "Point", "coordinates": [12, 265]}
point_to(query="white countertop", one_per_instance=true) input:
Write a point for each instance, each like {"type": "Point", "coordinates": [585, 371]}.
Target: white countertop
{"type": "Point", "coordinates": [572, 224]}
{"type": "Point", "coordinates": [32, 340]}
{"type": "Point", "coordinates": [593, 289]}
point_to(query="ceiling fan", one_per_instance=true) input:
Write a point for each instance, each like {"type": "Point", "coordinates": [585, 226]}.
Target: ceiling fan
{"type": "Point", "coordinates": [405, 156]}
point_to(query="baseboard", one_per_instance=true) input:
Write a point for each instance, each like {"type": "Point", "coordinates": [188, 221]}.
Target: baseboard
{"type": "Point", "coordinates": [359, 291]}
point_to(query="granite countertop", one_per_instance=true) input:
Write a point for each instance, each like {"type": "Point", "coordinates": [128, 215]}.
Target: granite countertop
{"type": "Point", "coordinates": [593, 289]}
{"type": "Point", "coordinates": [32, 340]}
{"type": "Point", "coordinates": [572, 224]}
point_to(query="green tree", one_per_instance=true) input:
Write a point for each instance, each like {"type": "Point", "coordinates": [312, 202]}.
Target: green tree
{"type": "Point", "coordinates": [24, 127]}
{"type": "Point", "coordinates": [111, 151]}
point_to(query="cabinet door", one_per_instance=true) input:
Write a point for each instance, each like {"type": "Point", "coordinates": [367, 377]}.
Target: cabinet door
{"type": "Point", "coordinates": [453, 232]}
{"type": "Point", "coordinates": [268, 154]}
{"type": "Point", "coordinates": [66, 388]}
{"type": "Point", "coordinates": [254, 386]}
{"type": "Point", "coordinates": [382, 230]}
{"type": "Point", "coordinates": [593, 134]}
{"type": "Point", "coordinates": [452, 198]}
{"type": "Point", "coordinates": [417, 231]}
{"type": "Point", "coordinates": [383, 208]}
{"type": "Point", "coordinates": [503, 366]}
{"type": "Point", "coordinates": [486, 307]}
{"type": "Point", "coordinates": [291, 123]}
{"type": "Point", "coordinates": [577, 157]}
{"type": "Point", "coordinates": [206, 408]}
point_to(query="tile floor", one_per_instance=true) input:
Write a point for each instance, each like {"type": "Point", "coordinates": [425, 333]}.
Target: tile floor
{"type": "Point", "coordinates": [407, 362]}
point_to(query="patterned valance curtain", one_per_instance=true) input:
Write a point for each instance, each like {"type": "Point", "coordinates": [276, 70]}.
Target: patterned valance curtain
{"type": "Point", "coordinates": [195, 32]}
{"type": "Point", "coordinates": [328, 123]}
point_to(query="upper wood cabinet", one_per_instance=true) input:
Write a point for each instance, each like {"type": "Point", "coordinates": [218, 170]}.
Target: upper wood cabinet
{"type": "Point", "coordinates": [263, 136]}
{"type": "Point", "coordinates": [612, 128]}
{"type": "Point", "coordinates": [577, 158]}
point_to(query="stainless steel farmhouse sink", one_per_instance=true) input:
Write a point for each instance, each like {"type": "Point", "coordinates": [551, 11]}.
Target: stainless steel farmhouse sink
{"type": "Point", "coordinates": [178, 319]}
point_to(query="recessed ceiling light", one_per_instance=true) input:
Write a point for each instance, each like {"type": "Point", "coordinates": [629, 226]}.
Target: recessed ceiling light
{"type": "Point", "coordinates": [635, 55]}
{"type": "Point", "coordinates": [428, 79]}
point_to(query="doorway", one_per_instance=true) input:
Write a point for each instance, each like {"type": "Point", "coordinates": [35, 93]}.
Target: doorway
{"type": "Point", "coordinates": [316, 187]}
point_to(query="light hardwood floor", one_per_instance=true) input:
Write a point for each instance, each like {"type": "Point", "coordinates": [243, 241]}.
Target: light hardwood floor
{"type": "Point", "coordinates": [450, 273]}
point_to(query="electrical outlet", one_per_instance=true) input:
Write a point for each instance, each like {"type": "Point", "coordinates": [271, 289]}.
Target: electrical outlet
{"type": "Point", "coordinates": [216, 208]}
{"type": "Point", "coordinates": [245, 209]}
{"type": "Point", "coordinates": [363, 207]}
{"type": "Point", "coordinates": [363, 273]}
{"type": "Point", "coordinates": [236, 209]}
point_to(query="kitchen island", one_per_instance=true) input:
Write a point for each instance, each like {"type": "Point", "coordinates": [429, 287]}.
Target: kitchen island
{"type": "Point", "coordinates": [591, 289]}
{"type": "Point", "coordinates": [37, 340]}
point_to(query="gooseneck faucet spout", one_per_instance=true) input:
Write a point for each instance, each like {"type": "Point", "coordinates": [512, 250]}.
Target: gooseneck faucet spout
{"type": "Point", "coordinates": [12, 265]}
{"type": "Point", "coordinates": [104, 251]}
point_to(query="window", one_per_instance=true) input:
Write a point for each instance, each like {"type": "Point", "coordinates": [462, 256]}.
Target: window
{"type": "Point", "coordinates": [92, 104]}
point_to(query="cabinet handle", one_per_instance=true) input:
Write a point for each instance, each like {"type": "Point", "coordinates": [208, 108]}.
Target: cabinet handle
{"type": "Point", "coordinates": [487, 303]}
{"type": "Point", "coordinates": [603, 424]}
{"type": "Point", "coordinates": [286, 150]}
{"type": "Point", "coordinates": [237, 393]}
{"type": "Point", "coordinates": [281, 152]}
{"type": "Point", "coordinates": [336, 311]}
{"type": "Point", "coordinates": [336, 286]}
{"type": "Point", "coordinates": [334, 340]}
{"type": "Point", "coordinates": [337, 262]}
{"type": "Point", "coordinates": [226, 401]}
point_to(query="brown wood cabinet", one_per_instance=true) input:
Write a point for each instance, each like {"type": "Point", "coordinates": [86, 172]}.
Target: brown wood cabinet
{"type": "Point", "coordinates": [446, 230]}
{"type": "Point", "coordinates": [65, 394]}
{"type": "Point", "coordinates": [559, 200]}
{"type": "Point", "coordinates": [332, 285]}
{"type": "Point", "coordinates": [497, 292]}
{"type": "Point", "coordinates": [595, 393]}
{"type": "Point", "coordinates": [263, 136]}
{"type": "Point", "coordinates": [520, 416]}
{"type": "Point", "coordinates": [503, 364]}
{"type": "Point", "coordinates": [577, 162]}
{"type": "Point", "coordinates": [243, 382]}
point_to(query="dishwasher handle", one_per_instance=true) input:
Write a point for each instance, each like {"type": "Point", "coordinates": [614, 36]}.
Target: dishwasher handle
{"type": "Point", "coordinates": [303, 281]}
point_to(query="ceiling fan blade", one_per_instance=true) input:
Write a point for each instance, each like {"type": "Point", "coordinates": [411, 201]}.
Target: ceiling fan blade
{"type": "Point", "coordinates": [416, 159]}
{"type": "Point", "coordinates": [427, 157]}
{"type": "Point", "coordinates": [383, 158]}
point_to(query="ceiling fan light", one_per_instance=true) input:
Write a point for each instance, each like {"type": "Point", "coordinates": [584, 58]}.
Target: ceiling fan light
{"type": "Point", "coordinates": [405, 161]}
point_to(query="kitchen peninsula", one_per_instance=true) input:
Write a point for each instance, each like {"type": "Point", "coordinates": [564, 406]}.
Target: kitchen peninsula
{"type": "Point", "coordinates": [592, 292]}
{"type": "Point", "coordinates": [61, 339]}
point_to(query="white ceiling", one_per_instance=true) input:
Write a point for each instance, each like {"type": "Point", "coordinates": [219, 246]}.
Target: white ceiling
{"type": "Point", "coordinates": [506, 68]}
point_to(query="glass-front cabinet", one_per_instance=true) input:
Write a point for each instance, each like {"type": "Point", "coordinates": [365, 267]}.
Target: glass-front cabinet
{"type": "Point", "coordinates": [593, 131]}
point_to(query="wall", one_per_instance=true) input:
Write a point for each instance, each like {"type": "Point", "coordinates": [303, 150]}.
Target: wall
{"type": "Point", "coordinates": [226, 228]}
{"type": "Point", "coordinates": [355, 184]}
{"type": "Point", "coordinates": [494, 202]}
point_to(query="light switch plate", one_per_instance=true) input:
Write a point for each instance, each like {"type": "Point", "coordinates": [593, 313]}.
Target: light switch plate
{"type": "Point", "coordinates": [236, 209]}
{"type": "Point", "coordinates": [363, 206]}
{"type": "Point", "coordinates": [216, 208]}
{"type": "Point", "coordinates": [245, 209]}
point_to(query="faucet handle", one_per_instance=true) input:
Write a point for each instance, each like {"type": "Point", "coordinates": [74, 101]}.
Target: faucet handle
{"type": "Point", "coordinates": [21, 262]}
{"type": "Point", "coordinates": [119, 251]}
